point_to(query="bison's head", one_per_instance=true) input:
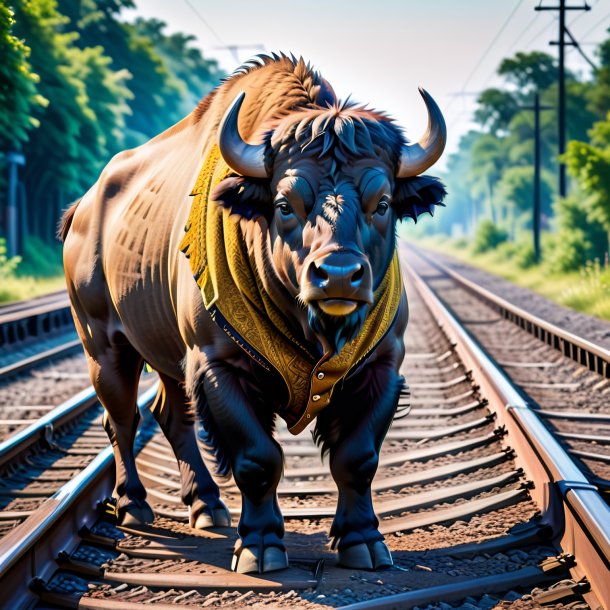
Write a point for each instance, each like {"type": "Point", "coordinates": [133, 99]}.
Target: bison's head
{"type": "Point", "coordinates": [331, 183]}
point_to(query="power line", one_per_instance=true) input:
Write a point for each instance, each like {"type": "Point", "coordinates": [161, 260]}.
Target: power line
{"type": "Point", "coordinates": [514, 44]}
{"type": "Point", "coordinates": [489, 47]}
{"type": "Point", "coordinates": [205, 22]}
{"type": "Point", "coordinates": [539, 33]}
{"type": "Point", "coordinates": [521, 35]}
{"type": "Point", "coordinates": [595, 26]}
{"type": "Point", "coordinates": [577, 47]}
{"type": "Point", "coordinates": [581, 15]}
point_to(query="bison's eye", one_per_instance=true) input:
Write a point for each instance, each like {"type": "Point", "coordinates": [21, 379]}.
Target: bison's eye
{"type": "Point", "coordinates": [284, 207]}
{"type": "Point", "coordinates": [382, 207]}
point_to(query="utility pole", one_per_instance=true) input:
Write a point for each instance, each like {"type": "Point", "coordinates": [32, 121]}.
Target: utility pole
{"type": "Point", "coordinates": [561, 106]}
{"type": "Point", "coordinates": [14, 159]}
{"type": "Point", "coordinates": [537, 207]}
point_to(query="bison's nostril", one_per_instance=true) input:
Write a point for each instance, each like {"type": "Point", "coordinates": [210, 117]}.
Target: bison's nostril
{"type": "Point", "coordinates": [358, 275]}
{"type": "Point", "coordinates": [318, 276]}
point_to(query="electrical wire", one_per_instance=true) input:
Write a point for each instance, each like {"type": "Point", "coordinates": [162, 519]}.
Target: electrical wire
{"type": "Point", "coordinates": [204, 21]}
{"type": "Point", "coordinates": [577, 47]}
{"type": "Point", "coordinates": [487, 50]}
{"type": "Point", "coordinates": [595, 26]}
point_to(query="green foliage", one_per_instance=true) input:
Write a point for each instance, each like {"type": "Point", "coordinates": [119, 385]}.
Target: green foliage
{"type": "Point", "coordinates": [78, 84]}
{"type": "Point", "coordinates": [490, 178]}
{"type": "Point", "coordinates": [41, 259]}
{"type": "Point", "coordinates": [488, 237]}
{"type": "Point", "coordinates": [575, 212]}
{"type": "Point", "coordinates": [516, 188]}
{"type": "Point", "coordinates": [18, 91]}
{"type": "Point", "coordinates": [65, 154]}
{"type": "Point", "coordinates": [600, 95]}
{"type": "Point", "coordinates": [195, 75]}
{"type": "Point", "coordinates": [529, 72]}
{"type": "Point", "coordinates": [592, 291]}
{"type": "Point", "coordinates": [589, 163]}
{"type": "Point", "coordinates": [586, 290]}
{"type": "Point", "coordinates": [8, 266]}
{"type": "Point", "coordinates": [567, 250]}
{"type": "Point", "coordinates": [496, 109]}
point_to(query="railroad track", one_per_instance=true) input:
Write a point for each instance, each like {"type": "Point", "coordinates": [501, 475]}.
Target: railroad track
{"type": "Point", "coordinates": [477, 499]}
{"type": "Point", "coordinates": [565, 378]}
{"type": "Point", "coordinates": [34, 332]}
{"type": "Point", "coordinates": [40, 365]}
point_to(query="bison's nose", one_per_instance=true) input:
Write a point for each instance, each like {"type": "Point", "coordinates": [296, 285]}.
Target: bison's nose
{"type": "Point", "coordinates": [348, 275]}
{"type": "Point", "coordinates": [338, 282]}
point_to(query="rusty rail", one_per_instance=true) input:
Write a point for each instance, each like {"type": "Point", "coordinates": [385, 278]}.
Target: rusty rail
{"type": "Point", "coordinates": [573, 507]}
{"type": "Point", "coordinates": [586, 353]}
{"type": "Point", "coordinates": [30, 550]}
{"type": "Point", "coordinates": [29, 320]}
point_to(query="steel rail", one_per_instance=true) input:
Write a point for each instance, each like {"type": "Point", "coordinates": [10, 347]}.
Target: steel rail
{"type": "Point", "coordinates": [572, 506]}
{"type": "Point", "coordinates": [45, 299]}
{"type": "Point", "coordinates": [595, 357]}
{"type": "Point", "coordinates": [31, 361]}
{"type": "Point", "coordinates": [477, 587]}
{"type": "Point", "coordinates": [34, 319]}
{"type": "Point", "coordinates": [30, 550]}
{"type": "Point", "coordinates": [35, 309]}
{"type": "Point", "coordinates": [44, 427]}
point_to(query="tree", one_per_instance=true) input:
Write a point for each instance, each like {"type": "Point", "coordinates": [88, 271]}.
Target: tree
{"type": "Point", "coordinates": [529, 72]}
{"type": "Point", "coordinates": [515, 189]}
{"type": "Point", "coordinates": [84, 97]}
{"type": "Point", "coordinates": [487, 160]}
{"type": "Point", "coordinates": [168, 76]}
{"type": "Point", "coordinates": [18, 90]}
{"type": "Point", "coordinates": [197, 74]}
{"type": "Point", "coordinates": [77, 85]}
{"type": "Point", "coordinates": [496, 110]}
{"type": "Point", "coordinates": [589, 163]}
{"type": "Point", "coordinates": [599, 95]}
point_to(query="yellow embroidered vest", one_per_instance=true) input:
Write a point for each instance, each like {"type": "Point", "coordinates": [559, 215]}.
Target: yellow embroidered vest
{"type": "Point", "coordinates": [233, 293]}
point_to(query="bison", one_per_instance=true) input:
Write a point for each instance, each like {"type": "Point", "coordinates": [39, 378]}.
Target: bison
{"type": "Point", "coordinates": [248, 255]}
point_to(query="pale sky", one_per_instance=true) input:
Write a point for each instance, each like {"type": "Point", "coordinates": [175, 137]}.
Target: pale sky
{"type": "Point", "coordinates": [380, 51]}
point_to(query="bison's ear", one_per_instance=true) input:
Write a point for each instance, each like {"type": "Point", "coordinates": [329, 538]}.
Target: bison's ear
{"type": "Point", "coordinates": [248, 197]}
{"type": "Point", "coordinates": [414, 196]}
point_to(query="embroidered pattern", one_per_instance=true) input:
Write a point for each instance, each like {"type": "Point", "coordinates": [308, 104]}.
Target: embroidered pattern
{"type": "Point", "coordinates": [233, 293]}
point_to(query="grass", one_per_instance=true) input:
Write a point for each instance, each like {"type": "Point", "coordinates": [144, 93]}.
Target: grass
{"type": "Point", "coordinates": [38, 271]}
{"type": "Point", "coordinates": [586, 291]}
{"type": "Point", "coordinates": [21, 288]}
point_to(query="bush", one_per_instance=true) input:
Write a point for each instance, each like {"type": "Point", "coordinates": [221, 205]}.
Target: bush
{"type": "Point", "coordinates": [525, 257]}
{"type": "Point", "coordinates": [592, 291]}
{"type": "Point", "coordinates": [574, 212]}
{"type": "Point", "coordinates": [8, 266]}
{"type": "Point", "coordinates": [568, 250]}
{"type": "Point", "coordinates": [488, 237]}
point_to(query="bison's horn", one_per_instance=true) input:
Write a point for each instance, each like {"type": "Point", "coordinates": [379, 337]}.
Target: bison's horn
{"type": "Point", "coordinates": [243, 158]}
{"type": "Point", "coordinates": [416, 158]}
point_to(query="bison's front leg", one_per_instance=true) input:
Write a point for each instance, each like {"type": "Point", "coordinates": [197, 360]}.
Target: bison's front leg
{"type": "Point", "coordinates": [364, 413]}
{"type": "Point", "coordinates": [256, 460]}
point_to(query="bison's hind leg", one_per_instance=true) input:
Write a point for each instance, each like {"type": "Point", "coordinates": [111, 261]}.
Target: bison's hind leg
{"type": "Point", "coordinates": [199, 491]}
{"type": "Point", "coordinates": [115, 373]}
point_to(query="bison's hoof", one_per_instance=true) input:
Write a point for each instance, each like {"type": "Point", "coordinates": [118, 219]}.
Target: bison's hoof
{"type": "Point", "coordinates": [246, 560]}
{"type": "Point", "coordinates": [372, 556]}
{"type": "Point", "coordinates": [133, 514]}
{"type": "Point", "coordinates": [217, 517]}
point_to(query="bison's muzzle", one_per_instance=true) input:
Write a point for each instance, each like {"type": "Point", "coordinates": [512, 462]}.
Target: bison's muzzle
{"type": "Point", "coordinates": [337, 282]}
